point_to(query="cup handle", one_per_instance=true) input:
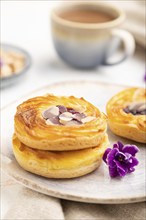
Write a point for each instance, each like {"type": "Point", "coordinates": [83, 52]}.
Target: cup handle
{"type": "Point", "coordinates": [128, 43]}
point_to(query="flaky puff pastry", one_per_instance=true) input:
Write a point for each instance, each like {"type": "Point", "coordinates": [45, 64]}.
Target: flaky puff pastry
{"type": "Point", "coordinates": [127, 125]}
{"type": "Point", "coordinates": [32, 130]}
{"type": "Point", "coordinates": [65, 164]}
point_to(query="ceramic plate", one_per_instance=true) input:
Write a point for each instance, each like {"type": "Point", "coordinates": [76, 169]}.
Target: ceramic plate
{"type": "Point", "coordinates": [96, 187]}
{"type": "Point", "coordinates": [7, 81]}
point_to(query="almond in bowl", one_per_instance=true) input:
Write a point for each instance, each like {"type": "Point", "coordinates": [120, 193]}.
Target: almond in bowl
{"type": "Point", "coordinates": [11, 62]}
{"type": "Point", "coordinates": [14, 62]}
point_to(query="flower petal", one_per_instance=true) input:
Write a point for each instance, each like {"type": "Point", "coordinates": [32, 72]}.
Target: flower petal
{"type": "Point", "coordinates": [131, 149]}
{"type": "Point", "coordinates": [128, 156]}
{"type": "Point", "coordinates": [118, 145]}
{"type": "Point", "coordinates": [132, 169]}
{"type": "Point", "coordinates": [121, 172]}
{"type": "Point", "coordinates": [121, 168]}
{"type": "Point", "coordinates": [111, 157]}
{"type": "Point", "coordinates": [113, 171]}
{"type": "Point", "coordinates": [105, 154]}
{"type": "Point", "coordinates": [134, 162]}
{"type": "Point", "coordinates": [119, 156]}
{"type": "Point", "coordinates": [115, 145]}
{"type": "Point", "coordinates": [121, 165]}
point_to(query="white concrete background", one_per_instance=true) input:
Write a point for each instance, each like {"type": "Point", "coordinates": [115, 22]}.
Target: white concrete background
{"type": "Point", "coordinates": [27, 24]}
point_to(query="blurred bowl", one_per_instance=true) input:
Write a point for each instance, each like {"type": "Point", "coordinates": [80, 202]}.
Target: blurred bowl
{"type": "Point", "coordinates": [9, 80]}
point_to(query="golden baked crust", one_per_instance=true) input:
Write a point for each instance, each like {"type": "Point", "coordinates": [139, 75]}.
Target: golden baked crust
{"type": "Point", "coordinates": [32, 130]}
{"type": "Point", "coordinates": [65, 164]}
{"type": "Point", "coordinates": [127, 125]}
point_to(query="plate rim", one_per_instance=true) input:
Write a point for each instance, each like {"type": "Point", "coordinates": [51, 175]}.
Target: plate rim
{"type": "Point", "coordinates": [31, 184]}
{"type": "Point", "coordinates": [64, 82]}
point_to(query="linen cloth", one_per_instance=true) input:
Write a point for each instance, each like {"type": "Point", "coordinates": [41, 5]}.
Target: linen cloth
{"type": "Point", "coordinates": [25, 204]}
{"type": "Point", "coordinates": [135, 18]}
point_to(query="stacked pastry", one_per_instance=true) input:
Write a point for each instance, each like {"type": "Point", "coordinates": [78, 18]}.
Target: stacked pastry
{"type": "Point", "coordinates": [59, 137]}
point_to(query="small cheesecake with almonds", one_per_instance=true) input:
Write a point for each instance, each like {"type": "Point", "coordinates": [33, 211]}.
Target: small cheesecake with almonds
{"type": "Point", "coordinates": [59, 123]}
{"type": "Point", "coordinates": [127, 114]}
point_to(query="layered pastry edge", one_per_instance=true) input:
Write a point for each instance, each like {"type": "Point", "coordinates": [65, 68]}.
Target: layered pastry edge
{"type": "Point", "coordinates": [65, 164]}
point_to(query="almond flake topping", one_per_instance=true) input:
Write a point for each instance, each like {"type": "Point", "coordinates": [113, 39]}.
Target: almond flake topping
{"type": "Point", "coordinates": [51, 112]}
{"type": "Point", "coordinates": [60, 115]}
{"type": "Point", "coordinates": [136, 108]}
{"type": "Point", "coordinates": [66, 116]}
{"type": "Point", "coordinates": [87, 119]}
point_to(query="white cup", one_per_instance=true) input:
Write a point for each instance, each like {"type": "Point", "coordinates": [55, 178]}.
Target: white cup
{"type": "Point", "coordinates": [88, 45]}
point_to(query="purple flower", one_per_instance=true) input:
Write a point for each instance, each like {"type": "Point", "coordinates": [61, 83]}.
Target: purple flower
{"type": "Point", "coordinates": [121, 159]}
{"type": "Point", "coordinates": [145, 77]}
